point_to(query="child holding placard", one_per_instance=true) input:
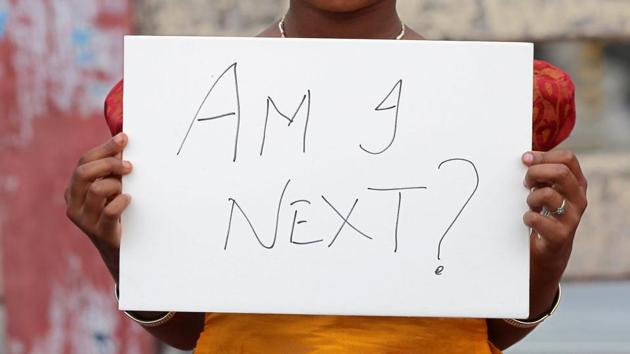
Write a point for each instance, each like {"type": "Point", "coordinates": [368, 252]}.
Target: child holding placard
{"type": "Point", "coordinates": [557, 202]}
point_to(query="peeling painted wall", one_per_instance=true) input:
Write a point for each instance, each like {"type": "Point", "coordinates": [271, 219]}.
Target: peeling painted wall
{"type": "Point", "coordinates": [58, 59]}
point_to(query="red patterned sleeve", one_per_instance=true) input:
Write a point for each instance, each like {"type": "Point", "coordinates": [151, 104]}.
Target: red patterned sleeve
{"type": "Point", "coordinates": [554, 106]}
{"type": "Point", "coordinates": [114, 108]}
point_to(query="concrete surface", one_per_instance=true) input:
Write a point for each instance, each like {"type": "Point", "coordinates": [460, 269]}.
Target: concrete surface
{"type": "Point", "coordinates": [535, 20]}
{"type": "Point", "coordinates": [203, 17]}
{"type": "Point", "coordinates": [602, 243]}
{"type": "Point", "coordinates": [592, 318]}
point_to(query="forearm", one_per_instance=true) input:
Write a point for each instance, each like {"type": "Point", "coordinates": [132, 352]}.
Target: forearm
{"type": "Point", "coordinates": [542, 295]}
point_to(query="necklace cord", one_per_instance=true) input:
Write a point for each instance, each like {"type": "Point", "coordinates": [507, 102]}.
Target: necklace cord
{"type": "Point", "coordinates": [284, 35]}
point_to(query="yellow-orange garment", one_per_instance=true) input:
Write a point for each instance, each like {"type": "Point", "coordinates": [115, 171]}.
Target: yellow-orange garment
{"type": "Point", "coordinates": [297, 334]}
{"type": "Point", "coordinates": [553, 120]}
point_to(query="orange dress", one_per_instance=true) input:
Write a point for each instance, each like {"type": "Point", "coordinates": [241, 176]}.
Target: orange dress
{"type": "Point", "coordinates": [297, 334]}
{"type": "Point", "coordinates": [554, 118]}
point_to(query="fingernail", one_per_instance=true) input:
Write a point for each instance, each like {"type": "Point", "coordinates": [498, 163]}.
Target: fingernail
{"type": "Point", "coordinates": [119, 138]}
{"type": "Point", "coordinates": [126, 165]}
{"type": "Point", "coordinates": [528, 158]}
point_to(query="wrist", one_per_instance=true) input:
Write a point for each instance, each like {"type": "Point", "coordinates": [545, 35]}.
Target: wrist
{"type": "Point", "coordinates": [544, 285]}
{"type": "Point", "coordinates": [146, 319]}
{"type": "Point", "coordinates": [110, 258]}
{"type": "Point", "coordinates": [147, 316]}
{"type": "Point", "coordinates": [542, 299]}
{"type": "Point", "coordinates": [534, 321]}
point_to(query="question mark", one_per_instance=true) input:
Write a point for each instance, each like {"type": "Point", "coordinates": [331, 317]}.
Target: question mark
{"type": "Point", "coordinates": [440, 269]}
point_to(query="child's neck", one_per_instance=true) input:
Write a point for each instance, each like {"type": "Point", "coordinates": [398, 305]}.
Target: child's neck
{"type": "Point", "coordinates": [376, 21]}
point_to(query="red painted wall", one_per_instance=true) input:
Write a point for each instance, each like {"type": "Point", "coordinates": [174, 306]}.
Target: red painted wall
{"type": "Point", "coordinates": [58, 59]}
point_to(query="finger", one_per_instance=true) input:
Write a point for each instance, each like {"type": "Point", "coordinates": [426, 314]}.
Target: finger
{"type": "Point", "coordinates": [110, 148]}
{"type": "Point", "coordinates": [85, 174]}
{"type": "Point", "coordinates": [97, 196]}
{"type": "Point", "coordinates": [544, 197]}
{"type": "Point", "coordinates": [557, 175]}
{"type": "Point", "coordinates": [551, 230]}
{"type": "Point", "coordinates": [564, 157]}
{"type": "Point", "coordinates": [109, 222]}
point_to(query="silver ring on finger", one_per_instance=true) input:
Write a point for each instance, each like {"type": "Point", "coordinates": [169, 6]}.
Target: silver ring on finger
{"type": "Point", "coordinates": [561, 210]}
{"type": "Point", "coordinates": [545, 212]}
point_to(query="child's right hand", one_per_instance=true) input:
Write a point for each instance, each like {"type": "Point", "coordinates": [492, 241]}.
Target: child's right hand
{"type": "Point", "coordinates": [94, 199]}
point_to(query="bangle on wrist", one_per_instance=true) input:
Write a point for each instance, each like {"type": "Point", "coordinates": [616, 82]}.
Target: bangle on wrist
{"type": "Point", "coordinates": [536, 322]}
{"type": "Point", "coordinates": [144, 323]}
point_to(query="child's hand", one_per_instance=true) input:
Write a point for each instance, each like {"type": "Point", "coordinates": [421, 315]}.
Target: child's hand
{"type": "Point", "coordinates": [557, 185]}
{"type": "Point", "coordinates": [94, 201]}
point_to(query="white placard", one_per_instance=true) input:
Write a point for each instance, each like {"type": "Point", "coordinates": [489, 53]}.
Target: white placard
{"type": "Point", "coordinates": [313, 176]}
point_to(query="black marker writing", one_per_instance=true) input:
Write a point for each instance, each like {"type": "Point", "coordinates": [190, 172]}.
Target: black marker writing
{"type": "Point", "coordinates": [293, 229]}
{"type": "Point", "coordinates": [394, 189]}
{"type": "Point", "coordinates": [440, 268]}
{"type": "Point", "coordinates": [399, 190]}
{"type": "Point", "coordinates": [397, 220]}
{"type": "Point", "coordinates": [296, 222]}
{"type": "Point", "coordinates": [397, 88]}
{"type": "Point", "coordinates": [345, 221]}
{"type": "Point", "coordinates": [216, 117]}
{"type": "Point", "coordinates": [270, 103]}
{"type": "Point", "coordinates": [236, 114]}
{"type": "Point", "coordinates": [275, 234]}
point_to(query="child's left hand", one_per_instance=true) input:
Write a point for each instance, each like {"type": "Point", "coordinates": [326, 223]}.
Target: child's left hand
{"type": "Point", "coordinates": [557, 185]}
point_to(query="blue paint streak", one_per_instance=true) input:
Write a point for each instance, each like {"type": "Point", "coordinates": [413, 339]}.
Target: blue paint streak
{"type": "Point", "coordinates": [81, 40]}
{"type": "Point", "coordinates": [4, 20]}
{"type": "Point", "coordinates": [81, 36]}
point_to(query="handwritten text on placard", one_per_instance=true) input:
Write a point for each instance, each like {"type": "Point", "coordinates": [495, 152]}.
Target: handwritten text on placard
{"type": "Point", "coordinates": [326, 176]}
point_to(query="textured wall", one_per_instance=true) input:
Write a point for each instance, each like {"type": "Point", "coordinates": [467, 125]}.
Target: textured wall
{"type": "Point", "coordinates": [206, 17]}
{"type": "Point", "coordinates": [534, 20]}
{"type": "Point", "coordinates": [436, 19]}
{"type": "Point", "coordinates": [602, 246]}
{"type": "Point", "coordinates": [58, 59]}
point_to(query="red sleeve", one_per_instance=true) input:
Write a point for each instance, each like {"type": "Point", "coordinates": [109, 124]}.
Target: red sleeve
{"type": "Point", "coordinates": [113, 109]}
{"type": "Point", "coordinates": [554, 106]}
